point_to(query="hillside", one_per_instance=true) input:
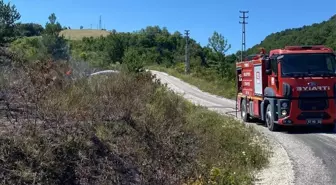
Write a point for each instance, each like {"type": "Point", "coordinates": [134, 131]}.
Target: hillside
{"type": "Point", "coordinates": [318, 33]}
{"type": "Point", "coordinates": [74, 34]}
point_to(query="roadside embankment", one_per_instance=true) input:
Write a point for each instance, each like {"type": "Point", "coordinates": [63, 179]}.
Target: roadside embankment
{"type": "Point", "coordinates": [121, 129]}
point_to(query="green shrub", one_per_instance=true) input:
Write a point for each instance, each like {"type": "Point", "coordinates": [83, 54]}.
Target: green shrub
{"type": "Point", "coordinates": [132, 60]}
{"type": "Point", "coordinates": [29, 48]}
{"type": "Point", "coordinates": [180, 67]}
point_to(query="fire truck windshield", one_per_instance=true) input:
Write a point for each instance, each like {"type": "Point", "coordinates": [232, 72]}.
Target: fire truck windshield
{"type": "Point", "coordinates": [308, 64]}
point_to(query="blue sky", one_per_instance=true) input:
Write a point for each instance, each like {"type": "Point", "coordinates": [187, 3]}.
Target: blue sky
{"type": "Point", "coordinates": [202, 18]}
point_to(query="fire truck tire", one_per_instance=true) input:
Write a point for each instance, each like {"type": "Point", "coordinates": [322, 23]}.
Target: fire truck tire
{"type": "Point", "coordinates": [244, 115]}
{"type": "Point", "coordinates": [270, 119]}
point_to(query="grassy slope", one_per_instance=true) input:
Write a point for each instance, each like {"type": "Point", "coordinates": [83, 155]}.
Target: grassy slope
{"type": "Point", "coordinates": [79, 34]}
{"type": "Point", "coordinates": [148, 129]}
{"type": "Point", "coordinates": [147, 125]}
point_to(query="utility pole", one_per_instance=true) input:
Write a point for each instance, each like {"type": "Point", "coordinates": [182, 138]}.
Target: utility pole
{"type": "Point", "coordinates": [187, 62]}
{"type": "Point", "coordinates": [100, 23]}
{"type": "Point", "coordinates": [242, 55]}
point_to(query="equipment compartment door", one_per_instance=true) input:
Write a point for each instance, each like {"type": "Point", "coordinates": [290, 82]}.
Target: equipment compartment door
{"type": "Point", "coordinates": [258, 80]}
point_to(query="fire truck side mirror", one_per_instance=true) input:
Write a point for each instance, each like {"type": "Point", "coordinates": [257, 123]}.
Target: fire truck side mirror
{"type": "Point", "coordinates": [268, 67]}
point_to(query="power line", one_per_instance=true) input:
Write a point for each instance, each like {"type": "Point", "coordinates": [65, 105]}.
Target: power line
{"type": "Point", "coordinates": [243, 33]}
{"type": "Point", "coordinates": [187, 62]}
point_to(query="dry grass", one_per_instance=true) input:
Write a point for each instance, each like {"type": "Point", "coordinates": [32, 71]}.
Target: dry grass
{"type": "Point", "coordinates": [79, 34]}
{"type": "Point", "coordinates": [122, 129]}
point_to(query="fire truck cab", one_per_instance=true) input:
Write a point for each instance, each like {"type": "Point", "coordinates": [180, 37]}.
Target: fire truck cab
{"type": "Point", "coordinates": [295, 85]}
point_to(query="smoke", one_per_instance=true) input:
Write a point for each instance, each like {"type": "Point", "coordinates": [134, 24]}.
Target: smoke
{"type": "Point", "coordinates": [81, 69]}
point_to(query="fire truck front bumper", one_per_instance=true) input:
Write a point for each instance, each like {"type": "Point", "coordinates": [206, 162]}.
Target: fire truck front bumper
{"type": "Point", "coordinates": [289, 113]}
{"type": "Point", "coordinates": [314, 121]}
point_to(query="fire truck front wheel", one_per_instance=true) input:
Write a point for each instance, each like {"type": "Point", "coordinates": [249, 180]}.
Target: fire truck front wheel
{"type": "Point", "coordinates": [244, 115]}
{"type": "Point", "coordinates": [270, 119]}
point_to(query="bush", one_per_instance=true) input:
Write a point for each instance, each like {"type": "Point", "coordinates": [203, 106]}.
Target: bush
{"type": "Point", "coordinates": [38, 48]}
{"type": "Point", "coordinates": [180, 67]}
{"type": "Point", "coordinates": [132, 60]}
{"type": "Point", "coordinates": [29, 48]}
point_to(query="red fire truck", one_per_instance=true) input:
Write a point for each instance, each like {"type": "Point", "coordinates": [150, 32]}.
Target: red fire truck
{"type": "Point", "coordinates": [295, 85]}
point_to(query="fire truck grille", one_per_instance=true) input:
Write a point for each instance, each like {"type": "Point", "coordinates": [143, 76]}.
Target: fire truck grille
{"type": "Point", "coordinates": [313, 115]}
{"type": "Point", "coordinates": [313, 100]}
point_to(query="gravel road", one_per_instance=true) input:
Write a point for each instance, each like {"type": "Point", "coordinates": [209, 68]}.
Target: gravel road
{"type": "Point", "coordinates": [305, 156]}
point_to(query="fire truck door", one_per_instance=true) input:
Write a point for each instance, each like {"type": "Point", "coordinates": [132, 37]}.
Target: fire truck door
{"type": "Point", "coordinates": [258, 80]}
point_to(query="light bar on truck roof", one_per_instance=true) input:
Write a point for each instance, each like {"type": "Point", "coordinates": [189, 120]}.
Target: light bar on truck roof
{"type": "Point", "coordinates": [280, 57]}
{"type": "Point", "coordinates": [315, 47]}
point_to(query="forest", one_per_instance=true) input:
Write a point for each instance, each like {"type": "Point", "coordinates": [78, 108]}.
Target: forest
{"type": "Point", "coordinates": [323, 33]}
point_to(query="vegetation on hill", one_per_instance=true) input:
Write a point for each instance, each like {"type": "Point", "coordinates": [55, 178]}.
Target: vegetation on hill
{"type": "Point", "coordinates": [125, 128]}
{"type": "Point", "coordinates": [323, 33]}
{"type": "Point", "coordinates": [9, 15]}
{"type": "Point", "coordinates": [154, 47]}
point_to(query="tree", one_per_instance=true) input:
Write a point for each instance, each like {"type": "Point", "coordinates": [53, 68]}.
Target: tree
{"type": "Point", "coordinates": [8, 16]}
{"type": "Point", "coordinates": [56, 45]}
{"type": "Point", "coordinates": [219, 46]}
{"type": "Point", "coordinates": [114, 48]}
{"type": "Point", "coordinates": [29, 29]}
{"type": "Point", "coordinates": [231, 59]}
{"type": "Point", "coordinates": [52, 27]}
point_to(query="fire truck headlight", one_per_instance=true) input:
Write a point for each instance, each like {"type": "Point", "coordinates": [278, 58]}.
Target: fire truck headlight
{"type": "Point", "coordinates": [284, 112]}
